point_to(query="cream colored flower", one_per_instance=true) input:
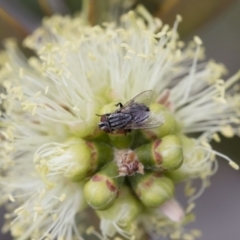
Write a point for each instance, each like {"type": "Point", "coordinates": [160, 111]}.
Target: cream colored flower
{"type": "Point", "coordinates": [53, 156]}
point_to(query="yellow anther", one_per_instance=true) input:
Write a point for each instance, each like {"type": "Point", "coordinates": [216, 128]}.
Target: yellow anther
{"type": "Point", "coordinates": [197, 40]}
{"type": "Point", "coordinates": [234, 165]}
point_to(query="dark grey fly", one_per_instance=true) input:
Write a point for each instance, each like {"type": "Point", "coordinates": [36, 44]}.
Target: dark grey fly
{"type": "Point", "coordinates": [135, 114]}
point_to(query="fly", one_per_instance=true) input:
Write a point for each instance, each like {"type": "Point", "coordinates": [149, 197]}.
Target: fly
{"type": "Point", "coordinates": [135, 114]}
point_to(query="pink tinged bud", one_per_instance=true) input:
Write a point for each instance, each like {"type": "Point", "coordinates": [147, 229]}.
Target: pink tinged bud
{"type": "Point", "coordinates": [172, 210]}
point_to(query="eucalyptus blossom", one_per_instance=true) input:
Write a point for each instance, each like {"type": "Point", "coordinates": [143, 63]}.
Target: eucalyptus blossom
{"type": "Point", "coordinates": [58, 168]}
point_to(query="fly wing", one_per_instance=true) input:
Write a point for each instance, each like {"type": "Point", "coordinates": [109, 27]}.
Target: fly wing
{"type": "Point", "coordinates": [153, 121]}
{"type": "Point", "coordinates": [145, 97]}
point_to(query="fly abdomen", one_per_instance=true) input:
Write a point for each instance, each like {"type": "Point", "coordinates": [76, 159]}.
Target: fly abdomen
{"type": "Point", "coordinates": [140, 117]}
{"type": "Point", "coordinates": [119, 120]}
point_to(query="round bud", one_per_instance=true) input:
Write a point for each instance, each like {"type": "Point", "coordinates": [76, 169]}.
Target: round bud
{"type": "Point", "coordinates": [86, 127]}
{"type": "Point", "coordinates": [141, 137]}
{"type": "Point", "coordinates": [102, 189]}
{"type": "Point", "coordinates": [85, 158]}
{"type": "Point", "coordinates": [168, 127]}
{"type": "Point", "coordinates": [102, 153]}
{"type": "Point", "coordinates": [153, 189]}
{"type": "Point", "coordinates": [124, 211]}
{"type": "Point", "coordinates": [165, 153]}
{"type": "Point", "coordinates": [121, 140]}
{"type": "Point", "coordinates": [191, 165]}
{"type": "Point", "coordinates": [78, 157]}
{"type": "Point", "coordinates": [108, 108]}
{"type": "Point", "coordinates": [98, 136]}
{"type": "Point", "coordinates": [170, 151]}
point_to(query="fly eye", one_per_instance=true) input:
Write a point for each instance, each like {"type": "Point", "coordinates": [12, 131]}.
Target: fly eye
{"type": "Point", "coordinates": [103, 118]}
{"type": "Point", "coordinates": [106, 129]}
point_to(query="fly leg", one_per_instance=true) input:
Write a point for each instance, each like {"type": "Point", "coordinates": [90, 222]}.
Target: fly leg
{"type": "Point", "coordinates": [119, 104]}
{"type": "Point", "coordinates": [127, 131]}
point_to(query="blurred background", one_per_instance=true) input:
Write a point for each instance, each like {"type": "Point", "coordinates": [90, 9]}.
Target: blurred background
{"type": "Point", "coordinates": [216, 22]}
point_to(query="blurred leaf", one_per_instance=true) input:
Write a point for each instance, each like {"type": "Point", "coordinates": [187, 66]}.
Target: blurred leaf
{"type": "Point", "coordinates": [152, 5]}
{"type": "Point", "coordinates": [74, 5]}
{"type": "Point", "coordinates": [229, 147]}
{"type": "Point", "coordinates": [106, 10]}
{"type": "Point", "coordinates": [194, 12]}
{"type": "Point", "coordinates": [18, 21]}
{"type": "Point", "coordinates": [33, 6]}
{"type": "Point", "coordinates": [45, 7]}
{"type": "Point", "coordinates": [57, 6]}
{"type": "Point", "coordinates": [10, 27]}
{"type": "Point", "coordinates": [49, 7]}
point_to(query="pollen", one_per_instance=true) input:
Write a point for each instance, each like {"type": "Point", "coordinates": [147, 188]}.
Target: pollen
{"type": "Point", "coordinates": [54, 217]}
{"type": "Point", "coordinates": [19, 210]}
{"type": "Point", "coordinates": [206, 144]}
{"type": "Point", "coordinates": [62, 197]}
{"type": "Point", "coordinates": [131, 51]}
{"type": "Point", "coordinates": [3, 96]}
{"type": "Point", "coordinates": [92, 57]}
{"type": "Point", "coordinates": [37, 94]}
{"type": "Point", "coordinates": [216, 137]}
{"type": "Point", "coordinates": [46, 90]}
{"type": "Point", "coordinates": [234, 165]}
{"type": "Point", "coordinates": [196, 233]}
{"type": "Point", "coordinates": [38, 210]}
{"type": "Point", "coordinates": [75, 108]}
{"type": "Point", "coordinates": [124, 45]}
{"type": "Point", "coordinates": [11, 198]}
{"type": "Point", "coordinates": [90, 230]}
{"type": "Point", "coordinates": [179, 18]}
{"type": "Point", "coordinates": [227, 131]}
{"type": "Point", "coordinates": [187, 236]}
{"type": "Point", "coordinates": [190, 207]}
{"type": "Point", "coordinates": [197, 40]}
{"type": "Point", "coordinates": [21, 72]}
{"type": "Point", "coordinates": [8, 66]}
{"type": "Point", "coordinates": [142, 56]}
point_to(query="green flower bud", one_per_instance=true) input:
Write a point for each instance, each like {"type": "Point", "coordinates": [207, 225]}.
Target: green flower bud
{"type": "Point", "coordinates": [121, 140]}
{"type": "Point", "coordinates": [179, 175]}
{"type": "Point", "coordinates": [165, 153]}
{"type": "Point", "coordinates": [168, 127]}
{"type": "Point", "coordinates": [192, 157]}
{"type": "Point", "coordinates": [108, 108]}
{"type": "Point", "coordinates": [153, 189]}
{"type": "Point", "coordinates": [85, 158]}
{"type": "Point", "coordinates": [102, 189]}
{"type": "Point", "coordinates": [98, 136]}
{"type": "Point", "coordinates": [124, 211]}
{"type": "Point", "coordinates": [86, 127]}
{"type": "Point", "coordinates": [141, 137]}
{"type": "Point", "coordinates": [170, 150]}
{"type": "Point", "coordinates": [79, 155]}
{"type": "Point", "coordinates": [102, 153]}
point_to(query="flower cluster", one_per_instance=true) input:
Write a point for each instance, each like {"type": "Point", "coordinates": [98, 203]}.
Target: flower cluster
{"type": "Point", "coordinates": [58, 168]}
